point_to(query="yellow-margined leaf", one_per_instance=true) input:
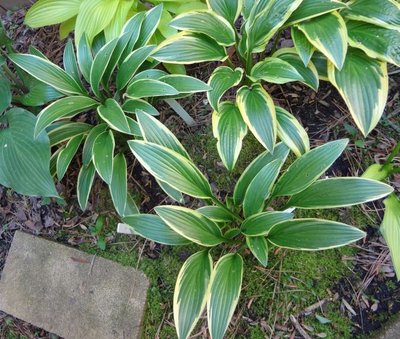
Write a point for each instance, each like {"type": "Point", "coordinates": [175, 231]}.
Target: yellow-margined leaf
{"type": "Point", "coordinates": [103, 155]}
{"type": "Point", "coordinates": [276, 71]}
{"type": "Point", "coordinates": [303, 47]}
{"type": "Point", "coordinates": [228, 9]}
{"type": "Point", "coordinates": [260, 224]}
{"type": "Point", "coordinates": [259, 247]}
{"type": "Point", "coordinates": [119, 185]}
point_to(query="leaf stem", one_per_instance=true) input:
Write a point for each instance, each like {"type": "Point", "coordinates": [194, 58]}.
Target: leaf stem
{"type": "Point", "coordinates": [220, 204]}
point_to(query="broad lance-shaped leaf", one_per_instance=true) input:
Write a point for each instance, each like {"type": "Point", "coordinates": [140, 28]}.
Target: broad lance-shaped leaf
{"type": "Point", "coordinates": [303, 47]}
{"type": "Point", "coordinates": [24, 160]}
{"type": "Point", "coordinates": [87, 151]}
{"type": "Point", "coordinates": [185, 84]}
{"type": "Point", "coordinates": [259, 247]}
{"type": "Point", "coordinates": [133, 105]}
{"type": "Point", "coordinates": [152, 227]}
{"type": "Point", "coordinates": [130, 207]}
{"type": "Point", "coordinates": [112, 113]}
{"type": "Point", "coordinates": [280, 152]}
{"type": "Point", "coordinates": [170, 191]}
{"type": "Point", "coordinates": [66, 155]}
{"type": "Point", "coordinates": [390, 230]}
{"type": "Point", "coordinates": [5, 90]}
{"type": "Point", "coordinates": [103, 155]}
{"type": "Point", "coordinates": [61, 132]}
{"type": "Point", "coordinates": [261, 223]}
{"type": "Point", "coordinates": [260, 188]}
{"type": "Point", "coordinates": [149, 88]}
{"type": "Point", "coordinates": [321, 64]}
{"type": "Point", "coordinates": [377, 42]}
{"type": "Point", "coordinates": [149, 25]}
{"type": "Point", "coordinates": [258, 111]}
{"type": "Point", "coordinates": [68, 106]}
{"type": "Point", "coordinates": [340, 192]}
{"type": "Point", "coordinates": [85, 57]}
{"type": "Point", "coordinates": [225, 286]}
{"type": "Point", "coordinates": [228, 9]}
{"type": "Point", "coordinates": [47, 72]}
{"type": "Point", "coordinates": [313, 234]}
{"type": "Point", "coordinates": [119, 186]}
{"type": "Point", "coordinates": [291, 132]}
{"type": "Point", "coordinates": [189, 48]}
{"type": "Point", "coordinates": [363, 84]}
{"type": "Point", "coordinates": [208, 23]}
{"type": "Point", "coordinates": [171, 167]}
{"type": "Point", "coordinates": [70, 63]}
{"type": "Point", "coordinates": [222, 79]}
{"type": "Point", "coordinates": [276, 71]}
{"type": "Point", "coordinates": [309, 167]}
{"type": "Point", "coordinates": [191, 224]}
{"type": "Point", "coordinates": [229, 129]}
{"type": "Point", "coordinates": [191, 292]}
{"type": "Point", "coordinates": [216, 213]}
{"type": "Point", "coordinates": [328, 33]}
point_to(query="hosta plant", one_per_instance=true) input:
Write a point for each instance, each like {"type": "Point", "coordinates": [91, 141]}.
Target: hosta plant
{"type": "Point", "coordinates": [100, 89]}
{"type": "Point", "coordinates": [346, 43]}
{"type": "Point", "coordinates": [257, 217]}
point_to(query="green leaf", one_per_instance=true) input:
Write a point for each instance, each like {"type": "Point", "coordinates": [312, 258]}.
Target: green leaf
{"type": "Point", "coordinates": [65, 107]}
{"type": "Point", "coordinates": [303, 47]}
{"type": "Point", "coordinates": [215, 213]}
{"type": "Point", "coordinates": [25, 161]}
{"type": "Point", "coordinates": [363, 84]}
{"type": "Point", "coordinates": [66, 27]}
{"type": "Point", "coordinates": [116, 24]}
{"type": "Point", "coordinates": [229, 129]}
{"type": "Point", "coordinates": [133, 105]}
{"type": "Point", "coordinates": [50, 12]}
{"type": "Point", "coordinates": [149, 88]}
{"type": "Point", "coordinates": [87, 152]}
{"type": "Point", "coordinates": [103, 155]}
{"type": "Point", "coordinates": [132, 26]}
{"type": "Point", "coordinates": [313, 234]}
{"type": "Point", "coordinates": [390, 230]}
{"type": "Point", "coordinates": [130, 207]}
{"type": "Point", "coordinates": [118, 186]}
{"type": "Point", "coordinates": [66, 155]}
{"type": "Point", "coordinates": [85, 182]}
{"type": "Point", "coordinates": [321, 64]}
{"type": "Point", "coordinates": [208, 23]}
{"type": "Point", "coordinates": [328, 33]}
{"type": "Point", "coordinates": [171, 167]}
{"type": "Point", "coordinates": [191, 292]}
{"type": "Point", "coordinates": [258, 111]}
{"type": "Point", "coordinates": [222, 79]}
{"type": "Point", "coordinates": [70, 63]}
{"type": "Point", "coordinates": [309, 167]}
{"type": "Point", "coordinates": [185, 83]}
{"type": "Point", "coordinates": [85, 57]}
{"type": "Point", "coordinates": [225, 286]}
{"type": "Point", "coordinates": [191, 225]}
{"type": "Point", "coordinates": [291, 132]}
{"type": "Point", "coordinates": [377, 42]}
{"type": "Point", "coordinates": [189, 48]}
{"type": "Point", "coordinates": [38, 94]}
{"type": "Point", "coordinates": [280, 152]}
{"type": "Point", "coordinates": [276, 71]}
{"type": "Point", "coordinates": [5, 90]}
{"type": "Point", "coordinates": [259, 247]}
{"type": "Point", "coordinates": [170, 191]}
{"type": "Point", "coordinates": [228, 9]}
{"type": "Point", "coordinates": [47, 72]}
{"type": "Point", "coordinates": [112, 113]}
{"type": "Point", "coordinates": [149, 25]}
{"type": "Point", "coordinates": [65, 131]}
{"type": "Point", "coordinates": [339, 192]}
{"type": "Point", "coordinates": [154, 74]}
{"type": "Point", "coordinates": [260, 188]}
{"type": "Point", "coordinates": [260, 224]}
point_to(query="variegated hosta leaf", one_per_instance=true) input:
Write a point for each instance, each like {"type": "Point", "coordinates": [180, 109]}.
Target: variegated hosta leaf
{"type": "Point", "coordinates": [103, 155]}
{"type": "Point", "coordinates": [85, 57]}
{"type": "Point", "coordinates": [119, 185]}
{"type": "Point", "coordinates": [260, 224]}
{"type": "Point", "coordinates": [130, 208]}
{"type": "Point", "coordinates": [303, 47]}
{"type": "Point", "coordinates": [65, 156]}
{"type": "Point", "coordinates": [70, 63]}
{"type": "Point", "coordinates": [314, 8]}
{"type": "Point", "coordinates": [222, 79]}
{"type": "Point", "coordinates": [133, 105]}
{"type": "Point", "coordinates": [171, 167]}
{"type": "Point", "coordinates": [378, 42]}
{"type": "Point", "coordinates": [112, 113]}
{"type": "Point", "coordinates": [84, 185]}
{"type": "Point", "coordinates": [328, 33]}
{"type": "Point", "coordinates": [208, 23]}
{"type": "Point", "coordinates": [228, 9]}
{"type": "Point", "coordinates": [133, 27]}
{"type": "Point", "coordinates": [390, 229]}
{"type": "Point", "coordinates": [149, 88]}
{"type": "Point", "coordinates": [116, 24]}
{"type": "Point", "coordinates": [149, 25]}
{"type": "Point", "coordinates": [384, 13]}
{"type": "Point", "coordinates": [291, 132]}
{"type": "Point", "coordinates": [229, 129]}
{"type": "Point", "coordinates": [247, 6]}
{"type": "Point", "coordinates": [259, 247]}
{"type": "Point", "coordinates": [191, 292]}
{"type": "Point", "coordinates": [309, 167]}
{"type": "Point", "coordinates": [152, 227]}
{"type": "Point", "coordinates": [258, 111]}
{"type": "Point", "coordinates": [340, 192]}
{"type": "Point", "coordinates": [276, 71]}
{"type": "Point", "coordinates": [216, 213]}
{"type": "Point", "coordinates": [363, 83]}
{"type": "Point", "coordinates": [378, 172]}
{"type": "Point", "coordinates": [321, 64]}
{"type": "Point", "coordinates": [280, 152]}
{"type": "Point", "coordinates": [65, 131]}
{"type": "Point", "coordinates": [313, 234]}
{"type": "Point", "coordinates": [225, 286]}
{"type": "Point", "coordinates": [185, 84]}
{"type": "Point", "coordinates": [189, 48]}
{"type": "Point", "coordinates": [191, 224]}
{"type": "Point", "coordinates": [87, 151]}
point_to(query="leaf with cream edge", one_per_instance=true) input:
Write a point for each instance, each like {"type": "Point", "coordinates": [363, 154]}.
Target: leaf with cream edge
{"type": "Point", "coordinates": [149, 25]}
{"type": "Point", "coordinates": [191, 292]}
{"type": "Point", "coordinates": [216, 213]}
{"type": "Point", "coordinates": [261, 223]}
{"type": "Point", "coordinates": [222, 79]}
{"type": "Point", "coordinates": [258, 111]}
{"type": "Point", "coordinates": [103, 155]}
{"type": "Point", "coordinates": [275, 70]}
{"type": "Point", "coordinates": [191, 224]}
{"type": "Point", "coordinates": [259, 247]}
{"type": "Point", "coordinates": [225, 286]}
{"type": "Point", "coordinates": [87, 151]}
{"type": "Point", "coordinates": [303, 47]}
{"type": "Point", "coordinates": [313, 234]}
{"type": "Point", "coordinates": [185, 84]}
{"type": "Point", "coordinates": [149, 88]}
{"type": "Point", "coordinates": [118, 186]}
{"type": "Point", "coordinates": [84, 185]}
{"type": "Point", "coordinates": [112, 113]}
{"type": "Point", "coordinates": [363, 84]}
{"type": "Point", "coordinates": [229, 129]}
{"type": "Point", "coordinates": [228, 9]}
{"type": "Point", "coordinates": [85, 57]}
{"type": "Point", "coordinates": [66, 155]}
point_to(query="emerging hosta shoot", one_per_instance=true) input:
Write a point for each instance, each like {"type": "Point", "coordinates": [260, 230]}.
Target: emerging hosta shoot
{"type": "Point", "coordinates": [251, 218]}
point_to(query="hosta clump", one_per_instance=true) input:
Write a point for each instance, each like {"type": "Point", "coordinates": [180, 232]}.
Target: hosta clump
{"type": "Point", "coordinates": [346, 43]}
{"type": "Point", "coordinates": [110, 82]}
{"type": "Point", "coordinates": [245, 220]}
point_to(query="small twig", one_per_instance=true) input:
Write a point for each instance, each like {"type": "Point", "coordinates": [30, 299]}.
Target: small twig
{"type": "Point", "coordinates": [91, 264]}
{"type": "Point", "coordinates": [298, 327]}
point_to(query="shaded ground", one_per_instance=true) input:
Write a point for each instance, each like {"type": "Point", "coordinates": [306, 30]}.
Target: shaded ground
{"type": "Point", "coordinates": [337, 293]}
